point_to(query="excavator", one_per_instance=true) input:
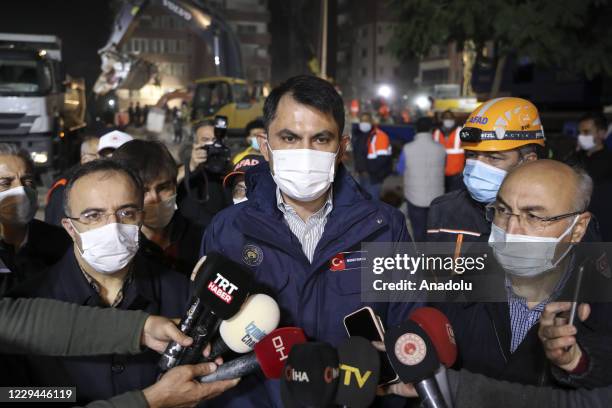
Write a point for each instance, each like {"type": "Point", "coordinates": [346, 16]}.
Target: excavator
{"type": "Point", "coordinates": [226, 94]}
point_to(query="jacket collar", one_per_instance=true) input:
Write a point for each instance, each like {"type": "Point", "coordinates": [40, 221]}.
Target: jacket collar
{"type": "Point", "coordinates": [350, 206]}
{"type": "Point", "coordinates": [78, 290]}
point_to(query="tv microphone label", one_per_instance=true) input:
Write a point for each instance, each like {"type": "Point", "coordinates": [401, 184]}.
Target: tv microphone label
{"type": "Point", "coordinates": [222, 288]}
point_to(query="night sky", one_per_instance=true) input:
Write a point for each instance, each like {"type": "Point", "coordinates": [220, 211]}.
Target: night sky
{"type": "Point", "coordinates": [83, 26]}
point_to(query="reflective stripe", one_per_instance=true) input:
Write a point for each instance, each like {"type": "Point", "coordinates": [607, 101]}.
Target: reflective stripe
{"type": "Point", "coordinates": [454, 151]}
{"type": "Point", "coordinates": [451, 231]}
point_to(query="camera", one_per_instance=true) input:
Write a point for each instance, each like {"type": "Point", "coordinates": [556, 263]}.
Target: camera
{"type": "Point", "coordinates": [218, 154]}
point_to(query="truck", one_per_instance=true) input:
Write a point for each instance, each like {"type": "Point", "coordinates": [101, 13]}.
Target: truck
{"type": "Point", "coordinates": [39, 107]}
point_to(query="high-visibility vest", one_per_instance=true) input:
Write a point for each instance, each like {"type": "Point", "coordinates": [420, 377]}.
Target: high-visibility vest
{"type": "Point", "coordinates": [378, 144]}
{"type": "Point", "coordinates": [455, 156]}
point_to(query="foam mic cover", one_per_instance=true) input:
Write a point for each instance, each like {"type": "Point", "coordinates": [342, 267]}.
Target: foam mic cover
{"type": "Point", "coordinates": [226, 286]}
{"type": "Point", "coordinates": [310, 377]}
{"type": "Point", "coordinates": [411, 352]}
{"type": "Point", "coordinates": [236, 368]}
{"type": "Point", "coordinates": [359, 373]}
{"type": "Point", "coordinates": [274, 349]}
{"type": "Point", "coordinates": [438, 328]}
{"type": "Point", "coordinates": [256, 319]}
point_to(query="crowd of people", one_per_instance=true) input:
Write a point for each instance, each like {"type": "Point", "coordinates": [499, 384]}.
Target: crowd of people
{"type": "Point", "coordinates": [125, 227]}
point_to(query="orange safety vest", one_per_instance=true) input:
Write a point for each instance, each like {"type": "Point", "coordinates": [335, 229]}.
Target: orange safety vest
{"type": "Point", "coordinates": [378, 144]}
{"type": "Point", "coordinates": [455, 156]}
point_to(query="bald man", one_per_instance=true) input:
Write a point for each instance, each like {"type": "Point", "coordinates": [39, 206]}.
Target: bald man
{"type": "Point", "coordinates": [540, 209]}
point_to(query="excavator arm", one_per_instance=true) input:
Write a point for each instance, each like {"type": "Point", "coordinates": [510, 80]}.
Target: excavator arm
{"type": "Point", "coordinates": [129, 71]}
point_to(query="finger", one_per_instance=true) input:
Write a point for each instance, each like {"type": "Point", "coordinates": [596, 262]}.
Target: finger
{"type": "Point", "coordinates": [584, 311]}
{"type": "Point", "coordinates": [206, 351]}
{"type": "Point", "coordinates": [176, 321]}
{"type": "Point", "coordinates": [551, 310]}
{"type": "Point", "coordinates": [219, 361]}
{"type": "Point", "coordinates": [561, 321]}
{"type": "Point", "coordinates": [379, 345]}
{"type": "Point", "coordinates": [553, 332]}
{"type": "Point", "coordinates": [174, 334]}
{"type": "Point", "coordinates": [559, 343]}
{"type": "Point", "coordinates": [198, 370]}
{"type": "Point", "coordinates": [381, 391]}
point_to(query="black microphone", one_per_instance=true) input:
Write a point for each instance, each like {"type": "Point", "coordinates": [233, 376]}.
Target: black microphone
{"type": "Point", "coordinates": [414, 358]}
{"type": "Point", "coordinates": [220, 287]}
{"type": "Point", "coordinates": [359, 373]}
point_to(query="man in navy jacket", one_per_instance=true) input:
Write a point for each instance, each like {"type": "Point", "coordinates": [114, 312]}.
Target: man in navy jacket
{"type": "Point", "coordinates": [300, 232]}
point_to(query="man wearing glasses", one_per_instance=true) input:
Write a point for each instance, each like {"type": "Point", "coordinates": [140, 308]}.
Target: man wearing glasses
{"type": "Point", "coordinates": [103, 216]}
{"type": "Point", "coordinates": [539, 212]}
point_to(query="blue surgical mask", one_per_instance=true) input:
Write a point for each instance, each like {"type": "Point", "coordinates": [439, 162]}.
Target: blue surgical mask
{"type": "Point", "coordinates": [254, 143]}
{"type": "Point", "coordinates": [482, 180]}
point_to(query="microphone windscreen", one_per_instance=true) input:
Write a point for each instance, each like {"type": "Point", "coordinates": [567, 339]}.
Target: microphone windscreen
{"type": "Point", "coordinates": [236, 368]}
{"type": "Point", "coordinates": [436, 325]}
{"type": "Point", "coordinates": [311, 375]}
{"type": "Point", "coordinates": [226, 286]}
{"type": "Point", "coordinates": [257, 317]}
{"type": "Point", "coordinates": [273, 350]}
{"type": "Point", "coordinates": [411, 352]}
{"type": "Point", "coordinates": [359, 373]}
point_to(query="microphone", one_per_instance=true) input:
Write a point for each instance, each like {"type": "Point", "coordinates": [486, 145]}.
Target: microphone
{"type": "Point", "coordinates": [436, 325]}
{"type": "Point", "coordinates": [269, 356]}
{"type": "Point", "coordinates": [359, 373]}
{"type": "Point", "coordinates": [258, 316]}
{"type": "Point", "coordinates": [220, 288]}
{"type": "Point", "coordinates": [310, 377]}
{"type": "Point", "coordinates": [414, 358]}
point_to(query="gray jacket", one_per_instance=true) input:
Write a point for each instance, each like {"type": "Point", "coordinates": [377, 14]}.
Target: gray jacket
{"type": "Point", "coordinates": [424, 170]}
{"type": "Point", "coordinates": [49, 327]}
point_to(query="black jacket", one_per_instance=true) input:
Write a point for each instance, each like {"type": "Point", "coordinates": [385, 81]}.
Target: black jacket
{"type": "Point", "coordinates": [154, 289]}
{"type": "Point", "coordinates": [183, 252]}
{"type": "Point", "coordinates": [45, 245]}
{"type": "Point", "coordinates": [483, 334]}
{"type": "Point", "coordinates": [201, 195]}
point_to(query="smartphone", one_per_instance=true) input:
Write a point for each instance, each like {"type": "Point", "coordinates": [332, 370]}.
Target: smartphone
{"type": "Point", "coordinates": [366, 324]}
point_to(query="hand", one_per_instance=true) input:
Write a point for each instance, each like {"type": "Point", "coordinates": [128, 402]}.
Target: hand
{"type": "Point", "coordinates": [401, 389]}
{"type": "Point", "coordinates": [558, 337]}
{"type": "Point", "coordinates": [177, 388]}
{"type": "Point", "coordinates": [158, 331]}
{"type": "Point", "coordinates": [198, 156]}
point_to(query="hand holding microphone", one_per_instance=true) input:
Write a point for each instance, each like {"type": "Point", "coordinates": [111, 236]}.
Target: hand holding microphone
{"type": "Point", "coordinates": [269, 356]}
{"type": "Point", "coordinates": [220, 288]}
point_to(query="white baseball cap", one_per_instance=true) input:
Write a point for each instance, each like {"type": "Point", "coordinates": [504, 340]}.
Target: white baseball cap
{"type": "Point", "coordinates": [113, 140]}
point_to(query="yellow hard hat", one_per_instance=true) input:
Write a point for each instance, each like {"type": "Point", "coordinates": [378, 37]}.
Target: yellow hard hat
{"type": "Point", "coordinates": [502, 124]}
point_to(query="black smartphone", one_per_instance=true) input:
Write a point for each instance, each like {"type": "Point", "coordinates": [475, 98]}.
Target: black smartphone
{"type": "Point", "coordinates": [366, 324]}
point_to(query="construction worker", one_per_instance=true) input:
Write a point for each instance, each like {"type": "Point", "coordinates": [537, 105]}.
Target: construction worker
{"type": "Point", "coordinates": [498, 136]}
{"type": "Point", "coordinates": [448, 136]}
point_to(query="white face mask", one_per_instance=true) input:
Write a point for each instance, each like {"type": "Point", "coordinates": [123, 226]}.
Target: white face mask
{"type": "Point", "coordinates": [586, 142]}
{"type": "Point", "coordinates": [18, 205]}
{"type": "Point", "coordinates": [526, 255]}
{"type": "Point", "coordinates": [110, 248]}
{"type": "Point", "coordinates": [365, 127]}
{"type": "Point", "coordinates": [158, 215]}
{"type": "Point", "coordinates": [239, 200]}
{"type": "Point", "coordinates": [448, 123]}
{"type": "Point", "coordinates": [303, 174]}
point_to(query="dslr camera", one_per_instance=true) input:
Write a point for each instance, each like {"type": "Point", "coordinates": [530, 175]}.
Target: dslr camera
{"type": "Point", "coordinates": [218, 154]}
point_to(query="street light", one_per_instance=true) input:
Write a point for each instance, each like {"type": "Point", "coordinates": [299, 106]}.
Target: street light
{"type": "Point", "coordinates": [422, 102]}
{"type": "Point", "coordinates": [384, 91]}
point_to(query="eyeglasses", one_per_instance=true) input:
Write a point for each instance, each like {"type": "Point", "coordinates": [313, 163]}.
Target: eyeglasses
{"type": "Point", "coordinates": [239, 189]}
{"type": "Point", "coordinates": [526, 220]}
{"type": "Point", "coordinates": [128, 215]}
